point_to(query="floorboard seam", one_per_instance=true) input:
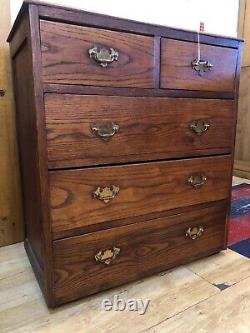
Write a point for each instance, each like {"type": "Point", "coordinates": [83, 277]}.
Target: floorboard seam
{"type": "Point", "coordinates": [213, 284]}
{"type": "Point", "coordinates": [177, 313]}
{"type": "Point", "coordinates": [202, 277]}
{"type": "Point", "coordinates": [14, 274]}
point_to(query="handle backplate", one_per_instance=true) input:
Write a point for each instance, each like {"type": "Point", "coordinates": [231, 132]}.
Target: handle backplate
{"type": "Point", "coordinates": [108, 255]}
{"type": "Point", "coordinates": [201, 66]}
{"type": "Point", "coordinates": [103, 56]}
{"type": "Point", "coordinates": [194, 232]}
{"type": "Point", "coordinates": [104, 130]}
{"type": "Point", "coordinates": [197, 181]}
{"type": "Point", "coordinates": [199, 126]}
{"type": "Point", "coordinates": [106, 193]}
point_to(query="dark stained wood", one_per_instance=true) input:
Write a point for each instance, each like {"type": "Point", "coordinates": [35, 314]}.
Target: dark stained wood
{"type": "Point", "coordinates": [177, 73]}
{"type": "Point", "coordinates": [85, 229]}
{"type": "Point", "coordinates": [144, 188]}
{"type": "Point", "coordinates": [42, 163]}
{"type": "Point", "coordinates": [150, 128]}
{"type": "Point", "coordinates": [155, 201]}
{"type": "Point", "coordinates": [145, 248]}
{"type": "Point", "coordinates": [20, 35]}
{"type": "Point", "coordinates": [38, 270]}
{"type": "Point", "coordinates": [23, 81]}
{"type": "Point", "coordinates": [65, 57]}
{"type": "Point", "coordinates": [139, 92]}
{"type": "Point", "coordinates": [76, 16]}
{"type": "Point", "coordinates": [32, 146]}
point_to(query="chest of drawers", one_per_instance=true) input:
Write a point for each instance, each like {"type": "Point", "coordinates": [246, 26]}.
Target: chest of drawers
{"type": "Point", "coordinates": [126, 145]}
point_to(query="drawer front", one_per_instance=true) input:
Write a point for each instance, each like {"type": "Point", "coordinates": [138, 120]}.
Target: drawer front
{"type": "Point", "coordinates": [89, 56]}
{"type": "Point", "coordinates": [178, 73]}
{"type": "Point", "coordinates": [80, 198]}
{"type": "Point", "coordinates": [92, 130]}
{"type": "Point", "coordinates": [93, 262]}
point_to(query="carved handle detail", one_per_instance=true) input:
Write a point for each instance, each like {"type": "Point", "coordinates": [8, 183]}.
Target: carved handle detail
{"type": "Point", "coordinates": [103, 56]}
{"type": "Point", "coordinates": [194, 232]}
{"type": "Point", "coordinates": [105, 130]}
{"type": "Point", "coordinates": [201, 66]}
{"type": "Point", "coordinates": [106, 193]}
{"type": "Point", "coordinates": [199, 126]}
{"type": "Point", "coordinates": [108, 255]}
{"type": "Point", "coordinates": [197, 181]}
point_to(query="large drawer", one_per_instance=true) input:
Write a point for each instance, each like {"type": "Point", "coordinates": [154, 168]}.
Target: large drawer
{"type": "Point", "coordinates": [178, 73]}
{"type": "Point", "coordinates": [89, 196]}
{"type": "Point", "coordinates": [93, 262]}
{"type": "Point", "coordinates": [92, 130]}
{"type": "Point", "coordinates": [73, 54]}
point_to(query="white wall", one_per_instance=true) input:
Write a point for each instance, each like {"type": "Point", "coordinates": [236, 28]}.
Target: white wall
{"type": "Point", "coordinates": [220, 16]}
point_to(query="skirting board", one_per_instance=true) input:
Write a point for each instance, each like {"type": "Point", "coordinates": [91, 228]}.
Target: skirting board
{"type": "Point", "coordinates": [242, 169]}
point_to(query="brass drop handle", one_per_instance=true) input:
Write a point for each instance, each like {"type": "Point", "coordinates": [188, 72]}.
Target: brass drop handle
{"type": "Point", "coordinates": [106, 193]}
{"type": "Point", "coordinates": [194, 232]}
{"type": "Point", "coordinates": [105, 130]}
{"type": "Point", "coordinates": [108, 255]}
{"type": "Point", "coordinates": [201, 66]}
{"type": "Point", "coordinates": [103, 56]}
{"type": "Point", "coordinates": [199, 126]}
{"type": "Point", "coordinates": [197, 181]}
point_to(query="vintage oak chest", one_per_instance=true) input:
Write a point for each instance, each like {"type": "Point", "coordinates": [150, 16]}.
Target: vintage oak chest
{"type": "Point", "coordinates": [126, 141]}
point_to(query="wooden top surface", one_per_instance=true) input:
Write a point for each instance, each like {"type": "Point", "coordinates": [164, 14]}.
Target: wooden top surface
{"type": "Point", "coordinates": [58, 12]}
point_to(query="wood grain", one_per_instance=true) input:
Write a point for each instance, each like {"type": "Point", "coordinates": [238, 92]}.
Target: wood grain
{"type": "Point", "coordinates": [242, 169]}
{"type": "Point", "coordinates": [11, 220]}
{"type": "Point", "coordinates": [149, 128]}
{"type": "Point", "coordinates": [65, 57]}
{"type": "Point", "coordinates": [224, 312]}
{"type": "Point", "coordinates": [52, 12]}
{"type": "Point", "coordinates": [242, 153]}
{"type": "Point", "coordinates": [22, 68]}
{"type": "Point", "coordinates": [144, 248]}
{"type": "Point", "coordinates": [63, 205]}
{"type": "Point", "coordinates": [218, 270]}
{"type": "Point", "coordinates": [25, 51]}
{"type": "Point", "coordinates": [20, 295]}
{"type": "Point", "coordinates": [242, 156]}
{"type": "Point", "coordinates": [134, 92]}
{"type": "Point", "coordinates": [242, 133]}
{"type": "Point", "coordinates": [144, 189]}
{"type": "Point", "coordinates": [244, 22]}
{"type": "Point", "coordinates": [241, 18]}
{"type": "Point", "coordinates": [177, 73]}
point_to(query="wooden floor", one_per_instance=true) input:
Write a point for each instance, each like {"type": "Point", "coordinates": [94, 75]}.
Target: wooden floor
{"type": "Point", "coordinates": [208, 296]}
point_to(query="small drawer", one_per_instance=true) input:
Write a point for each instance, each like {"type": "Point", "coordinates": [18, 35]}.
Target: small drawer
{"type": "Point", "coordinates": [74, 54]}
{"type": "Point", "coordinates": [92, 130]}
{"type": "Point", "coordinates": [90, 196]}
{"type": "Point", "coordinates": [215, 73]}
{"type": "Point", "coordinates": [94, 262]}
